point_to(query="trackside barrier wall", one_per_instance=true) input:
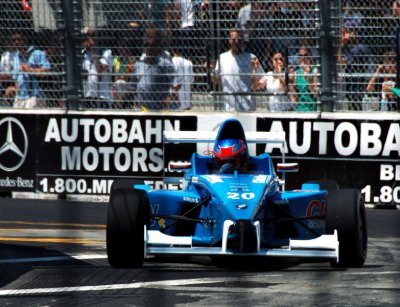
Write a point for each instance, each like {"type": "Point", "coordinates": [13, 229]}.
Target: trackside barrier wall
{"type": "Point", "coordinates": [82, 153]}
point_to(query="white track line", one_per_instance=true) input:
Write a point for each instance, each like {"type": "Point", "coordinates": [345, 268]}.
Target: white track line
{"type": "Point", "coordinates": [149, 284]}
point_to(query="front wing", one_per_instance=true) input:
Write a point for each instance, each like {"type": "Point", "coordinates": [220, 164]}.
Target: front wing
{"type": "Point", "coordinates": [322, 247]}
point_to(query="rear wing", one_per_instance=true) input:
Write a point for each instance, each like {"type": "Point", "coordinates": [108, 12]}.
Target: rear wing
{"type": "Point", "coordinates": [210, 136]}
{"type": "Point", "coordinates": [255, 137]}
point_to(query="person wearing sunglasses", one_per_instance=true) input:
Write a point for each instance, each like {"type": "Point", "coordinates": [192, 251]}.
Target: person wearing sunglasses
{"type": "Point", "coordinates": [305, 85]}
{"type": "Point", "coordinates": [274, 83]}
{"type": "Point", "coordinates": [30, 65]}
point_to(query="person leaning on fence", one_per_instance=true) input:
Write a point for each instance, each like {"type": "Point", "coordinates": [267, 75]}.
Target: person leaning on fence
{"type": "Point", "coordinates": [305, 85]}
{"type": "Point", "coordinates": [185, 78]}
{"type": "Point", "coordinates": [255, 21]}
{"type": "Point", "coordinates": [274, 83]}
{"type": "Point", "coordinates": [105, 79]}
{"type": "Point", "coordinates": [7, 85]}
{"type": "Point", "coordinates": [30, 65]}
{"type": "Point", "coordinates": [234, 71]}
{"type": "Point", "coordinates": [153, 75]}
{"type": "Point", "coordinates": [355, 63]}
{"type": "Point", "coordinates": [123, 63]}
{"type": "Point", "coordinates": [383, 80]}
{"type": "Point", "coordinates": [90, 73]}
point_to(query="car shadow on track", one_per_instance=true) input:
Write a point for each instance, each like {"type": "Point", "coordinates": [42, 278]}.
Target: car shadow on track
{"type": "Point", "coordinates": [16, 260]}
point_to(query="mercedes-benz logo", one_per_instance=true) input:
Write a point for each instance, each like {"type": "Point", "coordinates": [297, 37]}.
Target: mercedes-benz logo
{"type": "Point", "coordinates": [13, 144]}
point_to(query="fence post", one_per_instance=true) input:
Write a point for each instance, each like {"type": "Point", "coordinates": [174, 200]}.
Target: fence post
{"type": "Point", "coordinates": [328, 60]}
{"type": "Point", "coordinates": [72, 69]}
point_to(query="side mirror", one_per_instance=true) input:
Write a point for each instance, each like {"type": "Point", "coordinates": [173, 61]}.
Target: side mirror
{"type": "Point", "coordinates": [287, 167]}
{"type": "Point", "coordinates": [179, 166]}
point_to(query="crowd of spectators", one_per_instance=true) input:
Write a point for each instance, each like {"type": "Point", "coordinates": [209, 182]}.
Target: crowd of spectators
{"type": "Point", "coordinates": [255, 58]}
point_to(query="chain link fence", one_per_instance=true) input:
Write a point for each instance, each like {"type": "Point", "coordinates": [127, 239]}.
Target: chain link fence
{"type": "Point", "coordinates": [366, 59]}
{"type": "Point", "coordinates": [181, 55]}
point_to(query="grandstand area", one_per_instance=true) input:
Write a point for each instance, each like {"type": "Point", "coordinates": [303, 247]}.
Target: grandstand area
{"type": "Point", "coordinates": [337, 55]}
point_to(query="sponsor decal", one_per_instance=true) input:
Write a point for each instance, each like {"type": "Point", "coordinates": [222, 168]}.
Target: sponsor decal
{"type": "Point", "coordinates": [314, 209]}
{"type": "Point", "coordinates": [191, 199]}
{"type": "Point", "coordinates": [14, 145]}
{"type": "Point", "coordinates": [335, 138]}
{"type": "Point", "coordinates": [213, 179]}
{"type": "Point", "coordinates": [260, 179]}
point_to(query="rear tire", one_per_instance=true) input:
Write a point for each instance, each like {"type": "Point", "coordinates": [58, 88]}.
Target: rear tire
{"type": "Point", "coordinates": [345, 212]}
{"type": "Point", "coordinates": [128, 213]}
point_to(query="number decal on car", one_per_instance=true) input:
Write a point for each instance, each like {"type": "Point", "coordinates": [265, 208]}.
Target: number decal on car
{"type": "Point", "coordinates": [236, 196]}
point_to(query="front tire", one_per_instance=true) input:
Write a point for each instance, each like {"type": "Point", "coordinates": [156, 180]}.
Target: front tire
{"type": "Point", "coordinates": [345, 212]}
{"type": "Point", "coordinates": [128, 213]}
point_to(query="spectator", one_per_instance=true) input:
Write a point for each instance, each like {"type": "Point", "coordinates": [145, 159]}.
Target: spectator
{"type": "Point", "coordinates": [305, 83]}
{"type": "Point", "coordinates": [184, 77]}
{"type": "Point", "coordinates": [30, 65]}
{"type": "Point", "coordinates": [185, 12]}
{"type": "Point", "coordinates": [354, 64]}
{"type": "Point", "coordinates": [306, 45]}
{"type": "Point", "coordinates": [384, 79]}
{"type": "Point", "coordinates": [254, 20]}
{"type": "Point", "coordinates": [52, 85]}
{"type": "Point", "coordinates": [153, 74]}
{"type": "Point", "coordinates": [159, 14]}
{"type": "Point", "coordinates": [283, 37]}
{"type": "Point", "coordinates": [105, 79]}
{"type": "Point", "coordinates": [234, 71]}
{"type": "Point", "coordinates": [393, 22]}
{"type": "Point", "coordinates": [123, 63]}
{"type": "Point", "coordinates": [7, 85]}
{"type": "Point", "coordinates": [90, 72]}
{"type": "Point", "coordinates": [274, 84]}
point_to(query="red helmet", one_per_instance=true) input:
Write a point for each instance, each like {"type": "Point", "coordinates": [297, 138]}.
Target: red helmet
{"type": "Point", "coordinates": [232, 151]}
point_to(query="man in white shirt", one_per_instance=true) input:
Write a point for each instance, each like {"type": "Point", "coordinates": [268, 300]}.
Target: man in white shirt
{"type": "Point", "coordinates": [7, 85]}
{"type": "Point", "coordinates": [234, 71]}
{"type": "Point", "coordinates": [105, 79]}
{"type": "Point", "coordinates": [90, 73]}
{"type": "Point", "coordinates": [184, 77]}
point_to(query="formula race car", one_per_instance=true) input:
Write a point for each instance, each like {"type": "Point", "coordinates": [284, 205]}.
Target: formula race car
{"type": "Point", "coordinates": [234, 204]}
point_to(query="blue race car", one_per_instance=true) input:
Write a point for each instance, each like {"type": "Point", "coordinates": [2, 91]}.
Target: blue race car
{"type": "Point", "coordinates": [233, 204]}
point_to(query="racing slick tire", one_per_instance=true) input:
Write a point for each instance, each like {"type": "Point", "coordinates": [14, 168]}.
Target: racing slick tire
{"type": "Point", "coordinates": [128, 213]}
{"type": "Point", "coordinates": [345, 212]}
{"type": "Point", "coordinates": [326, 184]}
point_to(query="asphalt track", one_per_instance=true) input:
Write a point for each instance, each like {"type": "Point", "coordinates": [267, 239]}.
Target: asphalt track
{"type": "Point", "coordinates": [52, 253]}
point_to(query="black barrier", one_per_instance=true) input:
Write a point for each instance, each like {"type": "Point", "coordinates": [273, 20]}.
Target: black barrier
{"type": "Point", "coordinates": [81, 153]}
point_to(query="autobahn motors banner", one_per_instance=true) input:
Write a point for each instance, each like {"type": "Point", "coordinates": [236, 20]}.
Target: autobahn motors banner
{"type": "Point", "coordinates": [85, 154]}
{"type": "Point", "coordinates": [356, 153]}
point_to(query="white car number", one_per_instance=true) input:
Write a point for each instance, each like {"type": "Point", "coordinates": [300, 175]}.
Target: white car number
{"type": "Point", "coordinates": [236, 196]}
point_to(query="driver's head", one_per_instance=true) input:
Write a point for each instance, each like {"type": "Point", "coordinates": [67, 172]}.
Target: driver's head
{"type": "Point", "coordinates": [232, 151]}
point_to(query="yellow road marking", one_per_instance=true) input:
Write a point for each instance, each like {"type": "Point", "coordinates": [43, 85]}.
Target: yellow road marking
{"type": "Point", "coordinates": [55, 224]}
{"type": "Point", "coordinates": [52, 240]}
{"type": "Point", "coordinates": [47, 229]}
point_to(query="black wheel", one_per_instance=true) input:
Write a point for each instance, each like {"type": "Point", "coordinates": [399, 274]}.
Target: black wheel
{"type": "Point", "coordinates": [345, 212]}
{"type": "Point", "coordinates": [329, 185]}
{"type": "Point", "coordinates": [128, 212]}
